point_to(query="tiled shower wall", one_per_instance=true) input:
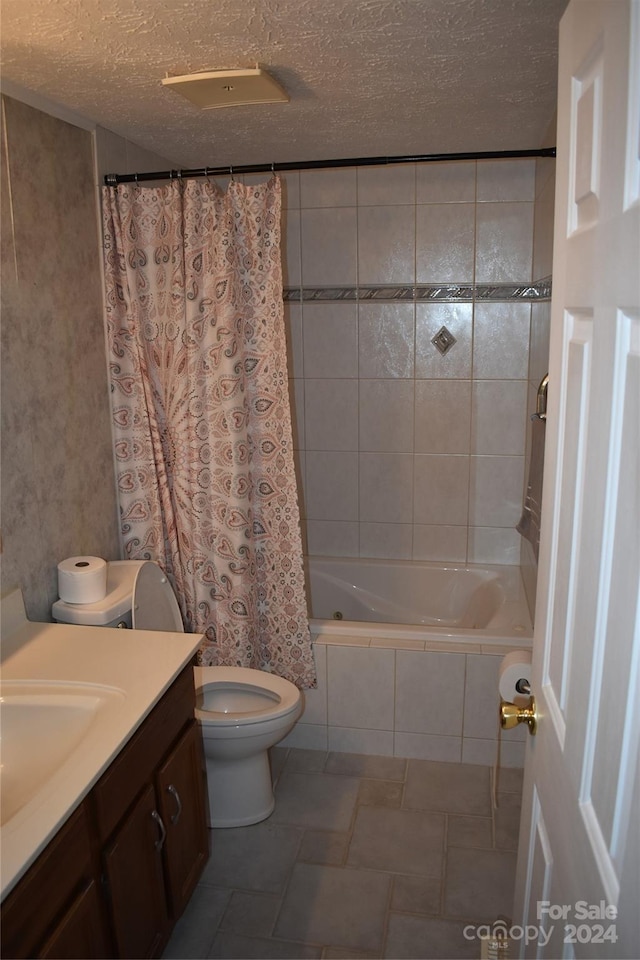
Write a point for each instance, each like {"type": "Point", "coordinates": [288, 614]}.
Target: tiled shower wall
{"type": "Point", "coordinates": [402, 452]}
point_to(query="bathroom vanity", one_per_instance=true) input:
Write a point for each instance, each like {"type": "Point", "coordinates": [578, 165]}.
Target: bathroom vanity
{"type": "Point", "coordinates": [101, 857]}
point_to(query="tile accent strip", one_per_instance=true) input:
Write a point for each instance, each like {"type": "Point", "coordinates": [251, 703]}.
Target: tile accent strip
{"type": "Point", "coordinates": [420, 293]}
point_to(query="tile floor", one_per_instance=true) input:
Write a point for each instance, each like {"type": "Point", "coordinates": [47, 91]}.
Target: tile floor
{"type": "Point", "coordinates": [363, 857]}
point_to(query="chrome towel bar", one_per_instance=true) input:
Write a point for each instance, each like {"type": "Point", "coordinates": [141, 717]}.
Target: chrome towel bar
{"type": "Point", "coordinates": [541, 400]}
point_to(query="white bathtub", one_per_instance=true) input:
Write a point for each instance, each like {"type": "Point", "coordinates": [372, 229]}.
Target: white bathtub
{"type": "Point", "coordinates": [426, 688]}
{"type": "Point", "coordinates": [417, 600]}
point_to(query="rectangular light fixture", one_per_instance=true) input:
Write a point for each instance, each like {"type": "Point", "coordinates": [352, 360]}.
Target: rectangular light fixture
{"type": "Point", "coordinates": [228, 88]}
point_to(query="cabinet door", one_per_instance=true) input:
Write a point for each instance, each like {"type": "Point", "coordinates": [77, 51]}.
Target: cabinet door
{"type": "Point", "coordinates": [50, 889]}
{"type": "Point", "coordinates": [133, 868]}
{"type": "Point", "coordinates": [80, 933]}
{"type": "Point", "coordinates": [180, 785]}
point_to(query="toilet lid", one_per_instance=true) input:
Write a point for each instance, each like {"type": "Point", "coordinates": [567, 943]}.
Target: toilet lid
{"type": "Point", "coordinates": [275, 698]}
{"type": "Point", "coordinates": [154, 603]}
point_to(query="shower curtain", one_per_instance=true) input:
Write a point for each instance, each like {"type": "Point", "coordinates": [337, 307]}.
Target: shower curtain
{"type": "Point", "coordinates": [201, 413]}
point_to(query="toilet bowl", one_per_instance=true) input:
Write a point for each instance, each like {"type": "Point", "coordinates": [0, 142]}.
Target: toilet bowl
{"type": "Point", "coordinates": [241, 712]}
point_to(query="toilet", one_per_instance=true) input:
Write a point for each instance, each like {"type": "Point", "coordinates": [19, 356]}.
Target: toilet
{"type": "Point", "coordinates": [241, 712]}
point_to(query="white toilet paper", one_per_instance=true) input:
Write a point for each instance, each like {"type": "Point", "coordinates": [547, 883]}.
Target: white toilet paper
{"type": "Point", "coordinates": [82, 579]}
{"type": "Point", "coordinates": [515, 669]}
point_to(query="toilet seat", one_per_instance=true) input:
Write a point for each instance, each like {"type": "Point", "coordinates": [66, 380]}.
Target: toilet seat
{"type": "Point", "coordinates": [242, 696]}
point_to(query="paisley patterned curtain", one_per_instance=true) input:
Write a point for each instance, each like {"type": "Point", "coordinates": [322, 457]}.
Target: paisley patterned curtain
{"type": "Point", "coordinates": [201, 413]}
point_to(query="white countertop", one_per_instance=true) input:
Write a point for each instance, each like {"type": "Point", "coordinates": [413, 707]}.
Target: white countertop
{"type": "Point", "coordinates": [140, 665]}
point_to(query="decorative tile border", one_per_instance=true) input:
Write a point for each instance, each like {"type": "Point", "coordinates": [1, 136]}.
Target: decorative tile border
{"type": "Point", "coordinates": [420, 293]}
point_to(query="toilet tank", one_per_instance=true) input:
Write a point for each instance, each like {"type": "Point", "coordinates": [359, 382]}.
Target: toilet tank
{"type": "Point", "coordinates": [139, 595]}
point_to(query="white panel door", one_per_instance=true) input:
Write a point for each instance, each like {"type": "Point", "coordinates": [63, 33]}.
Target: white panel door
{"type": "Point", "coordinates": [579, 860]}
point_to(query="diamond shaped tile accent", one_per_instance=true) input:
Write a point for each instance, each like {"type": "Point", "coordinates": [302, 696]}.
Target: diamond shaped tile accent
{"type": "Point", "coordinates": [443, 340]}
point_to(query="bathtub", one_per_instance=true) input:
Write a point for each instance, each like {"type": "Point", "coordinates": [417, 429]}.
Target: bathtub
{"type": "Point", "coordinates": [417, 600]}
{"type": "Point", "coordinates": [408, 655]}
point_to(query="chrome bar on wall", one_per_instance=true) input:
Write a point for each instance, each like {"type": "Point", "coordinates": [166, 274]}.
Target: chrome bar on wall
{"type": "Point", "coordinates": [541, 399]}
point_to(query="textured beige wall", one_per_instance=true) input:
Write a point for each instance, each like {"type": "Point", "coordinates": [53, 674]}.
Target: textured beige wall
{"type": "Point", "coordinates": [58, 496]}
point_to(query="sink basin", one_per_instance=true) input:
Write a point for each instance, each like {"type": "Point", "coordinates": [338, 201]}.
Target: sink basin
{"type": "Point", "coordinates": [41, 724]}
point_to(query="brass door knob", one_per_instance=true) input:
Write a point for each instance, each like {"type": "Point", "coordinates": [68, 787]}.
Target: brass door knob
{"type": "Point", "coordinates": [511, 715]}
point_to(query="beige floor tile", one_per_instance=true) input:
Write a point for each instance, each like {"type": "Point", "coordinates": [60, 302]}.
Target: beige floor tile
{"type": "Point", "coordinates": [250, 914]}
{"type": "Point", "coordinates": [315, 800]}
{"type": "Point", "coordinates": [258, 857]}
{"type": "Point", "coordinates": [509, 779]}
{"type": "Point", "coordinates": [352, 864]}
{"type": "Point", "coordinates": [196, 929]}
{"type": "Point", "coordinates": [323, 846]}
{"type": "Point", "coordinates": [380, 793]}
{"type": "Point", "coordinates": [458, 788]}
{"type": "Point", "coordinates": [372, 767]}
{"type": "Point", "coordinates": [335, 907]}
{"type": "Point", "coordinates": [306, 761]}
{"type": "Point", "coordinates": [479, 884]}
{"type": "Point", "coordinates": [509, 801]}
{"type": "Point", "coordinates": [469, 832]}
{"type": "Point", "coordinates": [418, 938]}
{"type": "Point", "coordinates": [507, 823]}
{"type": "Point", "coordinates": [400, 841]}
{"type": "Point", "coordinates": [341, 953]}
{"type": "Point", "coordinates": [233, 946]}
{"type": "Point", "coordinates": [416, 895]}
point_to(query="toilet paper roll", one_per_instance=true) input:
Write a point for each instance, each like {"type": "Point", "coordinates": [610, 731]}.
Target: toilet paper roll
{"type": "Point", "coordinates": [82, 579]}
{"type": "Point", "coordinates": [514, 669]}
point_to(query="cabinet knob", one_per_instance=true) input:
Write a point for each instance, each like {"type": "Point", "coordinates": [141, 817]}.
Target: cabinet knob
{"type": "Point", "coordinates": [174, 793]}
{"type": "Point", "coordinates": [163, 833]}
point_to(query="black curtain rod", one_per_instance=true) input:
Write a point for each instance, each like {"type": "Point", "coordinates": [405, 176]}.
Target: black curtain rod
{"type": "Point", "coordinates": [112, 179]}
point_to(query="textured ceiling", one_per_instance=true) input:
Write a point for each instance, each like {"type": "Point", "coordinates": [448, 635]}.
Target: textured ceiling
{"type": "Point", "coordinates": [365, 77]}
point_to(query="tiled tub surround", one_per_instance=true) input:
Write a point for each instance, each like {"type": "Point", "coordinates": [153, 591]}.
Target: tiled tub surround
{"type": "Point", "coordinates": [363, 857]}
{"type": "Point", "coordinates": [423, 699]}
{"type": "Point", "coordinates": [405, 453]}
{"type": "Point", "coordinates": [415, 690]}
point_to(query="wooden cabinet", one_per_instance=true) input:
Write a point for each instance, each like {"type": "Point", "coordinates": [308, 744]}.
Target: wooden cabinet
{"type": "Point", "coordinates": [117, 876]}
{"type": "Point", "coordinates": [55, 910]}
{"type": "Point", "coordinates": [134, 874]}
{"type": "Point", "coordinates": [183, 812]}
{"type": "Point", "coordinates": [158, 852]}
{"type": "Point", "coordinates": [81, 931]}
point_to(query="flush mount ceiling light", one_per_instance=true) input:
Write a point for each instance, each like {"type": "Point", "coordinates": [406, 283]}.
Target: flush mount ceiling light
{"type": "Point", "coordinates": [228, 88]}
